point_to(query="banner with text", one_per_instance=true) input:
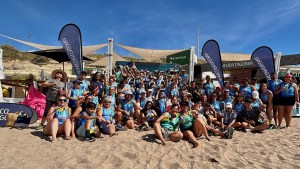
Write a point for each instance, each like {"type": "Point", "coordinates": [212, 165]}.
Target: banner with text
{"type": "Point", "coordinates": [264, 59]}
{"type": "Point", "coordinates": [212, 55]}
{"type": "Point", "coordinates": [70, 38]}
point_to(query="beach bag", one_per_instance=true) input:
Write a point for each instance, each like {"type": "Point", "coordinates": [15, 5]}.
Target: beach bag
{"type": "Point", "coordinates": [36, 100]}
{"type": "Point", "coordinates": [22, 120]}
{"type": "Point", "coordinates": [11, 119]}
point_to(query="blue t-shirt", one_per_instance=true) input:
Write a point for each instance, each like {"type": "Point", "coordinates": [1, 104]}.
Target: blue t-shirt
{"type": "Point", "coordinates": [229, 116]}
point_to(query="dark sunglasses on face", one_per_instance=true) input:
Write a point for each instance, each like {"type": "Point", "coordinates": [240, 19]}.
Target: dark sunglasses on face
{"type": "Point", "coordinates": [62, 100]}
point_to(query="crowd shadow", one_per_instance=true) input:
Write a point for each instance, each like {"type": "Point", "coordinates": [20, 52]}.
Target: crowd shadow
{"type": "Point", "coordinates": [150, 138]}
{"type": "Point", "coordinates": [41, 135]}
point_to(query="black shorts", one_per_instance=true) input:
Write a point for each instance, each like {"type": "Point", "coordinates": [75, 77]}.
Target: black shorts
{"type": "Point", "coordinates": [287, 101]}
{"type": "Point", "coordinates": [190, 128]}
{"type": "Point", "coordinates": [275, 100]}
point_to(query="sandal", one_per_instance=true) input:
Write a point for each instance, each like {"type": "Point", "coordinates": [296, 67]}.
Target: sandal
{"type": "Point", "coordinates": [68, 138]}
{"type": "Point", "coordinates": [40, 127]}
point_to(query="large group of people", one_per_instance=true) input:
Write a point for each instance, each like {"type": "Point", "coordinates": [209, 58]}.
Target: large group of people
{"type": "Point", "coordinates": [165, 102]}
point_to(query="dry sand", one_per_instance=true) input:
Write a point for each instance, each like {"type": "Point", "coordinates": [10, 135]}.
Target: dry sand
{"type": "Point", "coordinates": [28, 148]}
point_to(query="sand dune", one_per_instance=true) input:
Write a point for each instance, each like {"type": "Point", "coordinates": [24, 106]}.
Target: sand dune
{"type": "Point", "coordinates": [28, 148]}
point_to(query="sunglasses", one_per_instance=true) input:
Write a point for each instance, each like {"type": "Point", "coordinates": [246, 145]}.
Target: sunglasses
{"type": "Point", "coordinates": [62, 100]}
{"type": "Point", "coordinates": [107, 102]}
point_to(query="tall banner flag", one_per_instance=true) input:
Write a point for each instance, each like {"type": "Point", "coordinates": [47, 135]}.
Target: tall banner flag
{"type": "Point", "coordinates": [212, 55]}
{"type": "Point", "coordinates": [264, 59]}
{"type": "Point", "coordinates": [70, 38]}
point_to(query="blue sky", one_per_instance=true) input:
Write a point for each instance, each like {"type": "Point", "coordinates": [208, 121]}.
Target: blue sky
{"type": "Point", "coordinates": [238, 26]}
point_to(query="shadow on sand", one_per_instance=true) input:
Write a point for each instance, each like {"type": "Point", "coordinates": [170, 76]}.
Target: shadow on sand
{"type": "Point", "coordinates": [150, 138]}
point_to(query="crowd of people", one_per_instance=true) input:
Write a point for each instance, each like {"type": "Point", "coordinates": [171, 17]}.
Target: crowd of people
{"type": "Point", "coordinates": [165, 102]}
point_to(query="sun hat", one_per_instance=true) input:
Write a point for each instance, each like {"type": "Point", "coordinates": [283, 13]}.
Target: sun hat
{"type": "Point", "coordinates": [65, 76]}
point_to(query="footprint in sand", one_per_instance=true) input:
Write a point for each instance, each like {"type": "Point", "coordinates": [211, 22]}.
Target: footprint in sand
{"type": "Point", "coordinates": [129, 155]}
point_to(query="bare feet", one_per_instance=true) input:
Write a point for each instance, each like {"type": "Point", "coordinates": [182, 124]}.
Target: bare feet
{"type": "Point", "coordinates": [163, 142]}
{"type": "Point", "coordinates": [68, 138]}
{"type": "Point", "coordinates": [195, 144]}
{"type": "Point", "coordinates": [54, 141]}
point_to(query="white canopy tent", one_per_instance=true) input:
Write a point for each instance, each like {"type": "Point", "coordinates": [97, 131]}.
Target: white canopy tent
{"type": "Point", "coordinates": [85, 49]}
{"type": "Point", "coordinates": [103, 62]}
{"type": "Point", "coordinates": [149, 54]}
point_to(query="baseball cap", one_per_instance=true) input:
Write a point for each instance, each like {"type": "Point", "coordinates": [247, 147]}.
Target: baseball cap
{"type": "Point", "coordinates": [128, 92]}
{"type": "Point", "coordinates": [248, 99]}
{"type": "Point", "coordinates": [288, 75]}
{"type": "Point", "coordinates": [228, 105]}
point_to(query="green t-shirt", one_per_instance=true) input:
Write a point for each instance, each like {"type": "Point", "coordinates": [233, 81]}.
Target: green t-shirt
{"type": "Point", "coordinates": [170, 123]}
{"type": "Point", "coordinates": [187, 121]}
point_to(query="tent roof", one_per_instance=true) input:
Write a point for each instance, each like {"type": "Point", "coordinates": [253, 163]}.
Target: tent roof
{"type": "Point", "coordinates": [235, 57]}
{"type": "Point", "coordinates": [103, 62]}
{"type": "Point", "coordinates": [85, 49]}
{"type": "Point", "coordinates": [149, 54]}
{"type": "Point", "coordinates": [56, 54]}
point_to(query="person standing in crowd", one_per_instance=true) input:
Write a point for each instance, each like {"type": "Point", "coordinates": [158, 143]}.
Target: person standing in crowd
{"type": "Point", "coordinates": [254, 83]}
{"type": "Point", "coordinates": [266, 97]}
{"type": "Point", "coordinates": [56, 86]}
{"type": "Point", "coordinates": [209, 86]}
{"type": "Point", "coordinates": [84, 82]}
{"type": "Point", "coordinates": [96, 81]}
{"type": "Point", "coordinates": [75, 93]}
{"type": "Point", "coordinates": [59, 120]}
{"type": "Point", "coordinates": [246, 89]}
{"type": "Point", "coordinates": [275, 101]}
{"type": "Point", "coordinates": [288, 95]}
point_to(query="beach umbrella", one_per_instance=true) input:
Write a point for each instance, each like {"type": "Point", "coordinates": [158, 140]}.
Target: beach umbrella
{"type": "Point", "coordinates": [58, 55]}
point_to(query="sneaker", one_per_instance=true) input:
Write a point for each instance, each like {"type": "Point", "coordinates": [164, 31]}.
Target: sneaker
{"type": "Point", "coordinates": [89, 139]}
{"type": "Point", "coordinates": [271, 126]}
{"type": "Point", "coordinates": [230, 131]}
{"type": "Point", "coordinates": [40, 127]}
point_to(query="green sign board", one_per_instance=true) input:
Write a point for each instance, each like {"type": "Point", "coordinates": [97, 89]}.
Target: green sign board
{"type": "Point", "coordinates": [182, 58]}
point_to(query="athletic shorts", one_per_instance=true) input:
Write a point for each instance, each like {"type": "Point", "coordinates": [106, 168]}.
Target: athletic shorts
{"type": "Point", "coordinates": [190, 128]}
{"type": "Point", "coordinates": [287, 101]}
{"type": "Point", "coordinates": [275, 100]}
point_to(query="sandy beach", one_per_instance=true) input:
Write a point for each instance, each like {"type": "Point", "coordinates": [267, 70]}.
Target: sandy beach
{"type": "Point", "coordinates": [28, 148]}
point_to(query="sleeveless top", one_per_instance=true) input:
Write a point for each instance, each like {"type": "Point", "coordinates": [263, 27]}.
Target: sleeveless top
{"type": "Point", "coordinates": [239, 107]}
{"type": "Point", "coordinates": [162, 106]}
{"type": "Point", "coordinates": [170, 123]}
{"type": "Point", "coordinates": [273, 84]}
{"type": "Point", "coordinates": [256, 104]}
{"type": "Point", "coordinates": [187, 121]}
{"type": "Point", "coordinates": [289, 92]}
{"type": "Point", "coordinates": [83, 120]}
{"type": "Point", "coordinates": [61, 114]}
{"type": "Point", "coordinates": [149, 115]}
{"type": "Point", "coordinates": [74, 93]}
{"type": "Point", "coordinates": [143, 102]}
{"type": "Point", "coordinates": [216, 105]}
{"type": "Point", "coordinates": [84, 85]}
{"type": "Point", "coordinates": [209, 88]}
{"type": "Point", "coordinates": [107, 114]}
{"type": "Point", "coordinates": [264, 97]}
{"type": "Point", "coordinates": [112, 99]}
{"type": "Point", "coordinates": [246, 90]}
{"type": "Point", "coordinates": [127, 106]}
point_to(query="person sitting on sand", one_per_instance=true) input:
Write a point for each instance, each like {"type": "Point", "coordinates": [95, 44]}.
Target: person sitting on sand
{"type": "Point", "coordinates": [189, 122]}
{"type": "Point", "coordinates": [125, 111]}
{"type": "Point", "coordinates": [253, 119]}
{"type": "Point", "coordinates": [229, 117]}
{"type": "Point", "coordinates": [58, 120]}
{"type": "Point", "coordinates": [166, 126]}
{"type": "Point", "coordinates": [148, 116]}
{"type": "Point", "coordinates": [86, 125]}
{"type": "Point", "coordinates": [107, 125]}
